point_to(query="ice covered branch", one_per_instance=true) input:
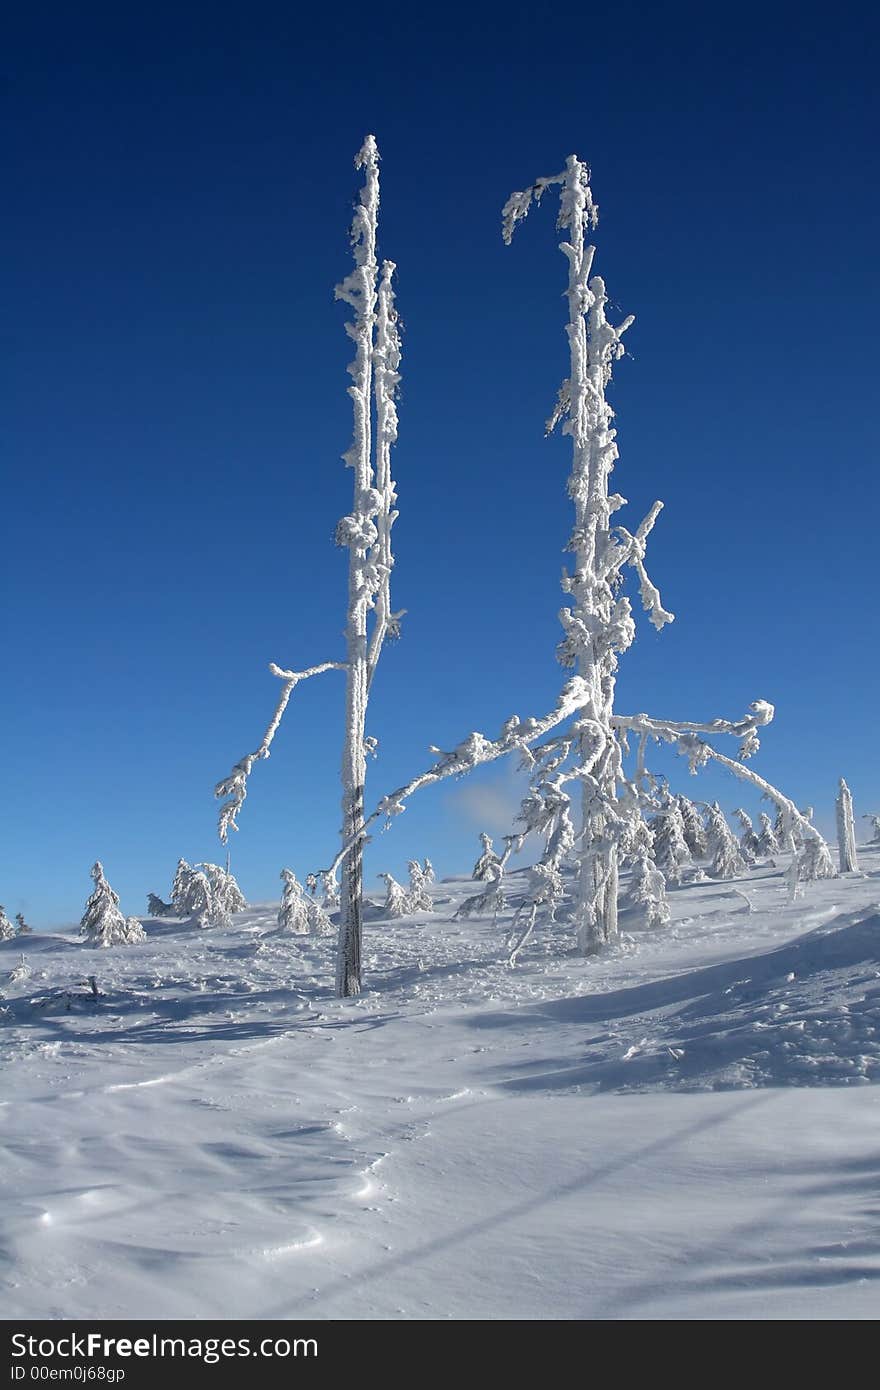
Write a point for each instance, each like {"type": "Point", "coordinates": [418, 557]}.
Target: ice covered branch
{"type": "Point", "coordinates": [761, 713]}
{"type": "Point", "coordinates": [516, 735]}
{"type": "Point", "coordinates": [234, 787]}
{"type": "Point", "coordinates": [813, 860]}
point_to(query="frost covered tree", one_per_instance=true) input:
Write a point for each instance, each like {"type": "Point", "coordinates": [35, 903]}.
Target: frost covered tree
{"type": "Point", "coordinates": [846, 831]}
{"type": "Point", "coordinates": [491, 899]}
{"type": "Point", "coordinates": [157, 908]}
{"type": "Point", "coordinates": [419, 897]}
{"type": "Point", "coordinates": [585, 760]}
{"type": "Point", "coordinates": [875, 822]}
{"type": "Point", "coordinates": [692, 827]}
{"type": "Point", "coordinates": [815, 860]}
{"type": "Point", "coordinates": [180, 887]}
{"type": "Point", "coordinates": [330, 891]}
{"type": "Point", "coordinates": [767, 841]}
{"type": "Point", "coordinates": [206, 893]}
{"type": "Point", "coordinates": [397, 899]}
{"type": "Point", "coordinates": [647, 892]}
{"type": "Point", "coordinates": [748, 841]}
{"type": "Point", "coordinates": [724, 852]}
{"type": "Point", "coordinates": [319, 921]}
{"type": "Point", "coordinates": [428, 874]}
{"type": "Point", "coordinates": [598, 625]}
{"type": "Point", "coordinates": [198, 900]}
{"type": "Point", "coordinates": [21, 926]}
{"type": "Point", "coordinates": [671, 854]}
{"type": "Point", "coordinates": [366, 534]}
{"type": "Point", "coordinates": [488, 860]}
{"type": "Point", "coordinates": [226, 896]}
{"type": "Point", "coordinates": [102, 922]}
{"type": "Point", "coordinates": [7, 930]}
{"type": "Point", "coordinates": [293, 914]}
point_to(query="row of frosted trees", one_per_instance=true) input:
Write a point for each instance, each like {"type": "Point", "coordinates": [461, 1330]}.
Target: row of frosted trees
{"type": "Point", "coordinates": [686, 842]}
{"type": "Point", "coordinates": [682, 842]}
{"type": "Point", "coordinates": [591, 791]}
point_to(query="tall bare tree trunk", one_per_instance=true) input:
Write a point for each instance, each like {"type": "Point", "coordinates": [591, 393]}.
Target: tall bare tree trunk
{"type": "Point", "coordinates": [846, 831]}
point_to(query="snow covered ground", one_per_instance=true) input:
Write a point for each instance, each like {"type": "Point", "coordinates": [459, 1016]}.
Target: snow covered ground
{"type": "Point", "coordinates": [685, 1128]}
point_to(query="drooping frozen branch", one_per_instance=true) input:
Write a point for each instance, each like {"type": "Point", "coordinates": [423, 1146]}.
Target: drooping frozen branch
{"type": "Point", "coordinates": [234, 787]}
{"type": "Point", "coordinates": [812, 859]}
{"type": "Point", "coordinates": [516, 736]}
{"type": "Point", "coordinates": [761, 713]}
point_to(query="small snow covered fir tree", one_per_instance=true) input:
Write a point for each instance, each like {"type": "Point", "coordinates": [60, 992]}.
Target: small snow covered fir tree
{"type": "Point", "coordinates": [748, 840]}
{"type": "Point", "coordinates": [225, 896]}
{"type": "Point", "coordinates": [330, 892]}
{"type": "Point", "coordinates": [397, 900]}
{"type": "Point", "coordinates": [21, 926]}
{"type": "Point", "coordinates": [7, 930]}
{"type": "Point", "coordinates": [102, 922]}
{"type": "Point", "coordinates": [767, 841]}
{"type": "Point", "coordinates": [724, 852]}
{"type": "Point", "coordinates": [875, 822]}
{"type": "Point", "coordinates": [319, 921]}
{"type": "Point", "coordinates": [490, 900]}
{"type": "Point", "coordinates": [206, 893]}
{"type": "Point", "coordinates": [647, 891]}
{"type": "Point", "coordinates": [293, 915]}
{"type": "Point", "coordinates": [692, 826]}
{"type": "Point", "coordinates": [198, 900]}
{"type": "Point", "coordinates": [157, 908]}
{"type": "Point", "coordinates": [487, 860]}
{"type": "Point", "coordinates": [846, 831]}
{"type": "Point", "coordinates": [815, 860]}
{"type": "Point", "coordinates": [419, 897]}
{"type": "Point", "coordinates": [179, 887]}
{"type": "Point", "coordinates": [428, 871]}
{"type": "Point", "coordinates": [671, 853]}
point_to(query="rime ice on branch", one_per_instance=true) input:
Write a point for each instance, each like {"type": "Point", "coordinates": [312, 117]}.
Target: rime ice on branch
{"type": "Point", "coordinates": [366, 533]}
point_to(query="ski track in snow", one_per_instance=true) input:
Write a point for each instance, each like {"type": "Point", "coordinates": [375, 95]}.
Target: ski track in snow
{"type": "Point", "coordinates": [685, 1127]}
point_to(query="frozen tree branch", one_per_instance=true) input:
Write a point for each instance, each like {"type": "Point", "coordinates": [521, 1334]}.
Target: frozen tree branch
{"type": "Point", "coordinates": [515, 736]}
{"type": "Point", "coordinates": [234, 787]}
{"type": "Point", "coordinates": [761, 713]}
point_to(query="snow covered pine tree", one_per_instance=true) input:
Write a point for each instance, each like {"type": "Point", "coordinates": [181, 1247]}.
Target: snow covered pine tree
{"type": "Point", "coordinates": [293, 915]}
{"type": "Point", "coordinates": [366, 533]}
{"type": "Point", "coordinates": [7, 930]}
{"type": "Point", "coordinates": [102, 923]}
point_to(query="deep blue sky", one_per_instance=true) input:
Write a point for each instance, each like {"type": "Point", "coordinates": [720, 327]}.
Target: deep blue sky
{"type": "Point", "coordinates": [178, 199]}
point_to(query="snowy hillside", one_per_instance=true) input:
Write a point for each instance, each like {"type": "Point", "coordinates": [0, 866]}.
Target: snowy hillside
{"type": "Point", "coordinates": [681, 1127]}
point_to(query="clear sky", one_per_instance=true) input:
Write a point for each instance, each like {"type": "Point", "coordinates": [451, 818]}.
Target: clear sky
{"type": "Point", "coordinates": [178, 200]}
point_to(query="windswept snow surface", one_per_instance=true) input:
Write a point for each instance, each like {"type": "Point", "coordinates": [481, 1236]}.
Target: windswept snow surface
{"type": "Point", "coordinates": [684, 1128]}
